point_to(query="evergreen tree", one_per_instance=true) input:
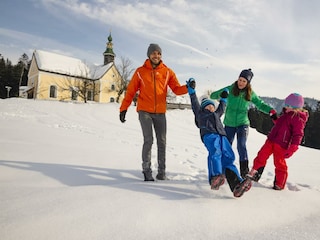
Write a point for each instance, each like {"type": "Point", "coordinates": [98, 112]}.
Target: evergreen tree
{"type": "Point", "coordinates": [6, 79]}
{"type": "Point", "coordinates": [13, 76]}
{"type": "Point", "coordinates": [2, 77]}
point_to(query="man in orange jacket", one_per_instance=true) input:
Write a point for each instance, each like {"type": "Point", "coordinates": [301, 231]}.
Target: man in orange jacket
{"type": "Point", "coordinates": [151, 81]}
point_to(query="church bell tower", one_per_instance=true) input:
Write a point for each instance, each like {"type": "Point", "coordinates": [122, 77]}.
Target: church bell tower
{"type": "Point", "coordinates": [108, 53]}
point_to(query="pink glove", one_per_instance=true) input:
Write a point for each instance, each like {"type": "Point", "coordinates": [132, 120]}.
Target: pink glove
{"type": "Point", "coordinates": [290, 151]}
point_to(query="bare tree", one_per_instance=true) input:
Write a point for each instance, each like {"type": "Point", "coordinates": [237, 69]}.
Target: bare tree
{"type": "Point", "coordinates": [207, 92]}
{"type": "Point", "coordinates": [83, 87]}
{"type": "Point", "coordinates": [125, 70]}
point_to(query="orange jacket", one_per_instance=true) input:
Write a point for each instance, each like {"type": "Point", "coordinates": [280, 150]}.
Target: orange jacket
{"type": "Point", "coordinates": [152, 85]}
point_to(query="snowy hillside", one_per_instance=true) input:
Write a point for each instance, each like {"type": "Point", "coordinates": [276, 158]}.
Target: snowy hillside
{"type": "Point", "coordinates": [73, 171]}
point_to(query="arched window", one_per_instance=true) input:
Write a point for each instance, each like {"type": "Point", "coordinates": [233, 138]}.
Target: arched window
{"type": "Point", "coordinates": [112, 99]}
{"type": "Point", "coordinates": [90, 95]}
{"type": "Point", "coordinates": [113, 87]}
{"type": "Point", "coordinates": [53, 91]}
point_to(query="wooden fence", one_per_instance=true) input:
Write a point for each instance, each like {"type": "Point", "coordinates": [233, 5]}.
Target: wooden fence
{"type": "Point", "coordinates": [178, 106]}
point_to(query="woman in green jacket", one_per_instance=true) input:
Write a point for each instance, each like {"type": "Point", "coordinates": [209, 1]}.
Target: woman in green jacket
{"type": "Point", "coordinates": [236, 118]}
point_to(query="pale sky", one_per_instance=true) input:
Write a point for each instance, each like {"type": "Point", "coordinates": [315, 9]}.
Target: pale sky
{"type": "Point", "coordinates": [210, 40]}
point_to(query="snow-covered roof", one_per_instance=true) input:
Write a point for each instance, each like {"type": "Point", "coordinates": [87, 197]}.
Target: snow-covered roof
{"type": "Point", "coordinates": [24, 88]}
{"type": "Point", "coordinates": [57, 63]}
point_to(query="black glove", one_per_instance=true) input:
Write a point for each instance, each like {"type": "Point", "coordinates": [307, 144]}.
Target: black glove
{"type": "Point", "coordinates": [192, 83]}
{"type": "Point", "coordinates": [123, 116]}
{"type": "Point", "coordinates": [224, 94]}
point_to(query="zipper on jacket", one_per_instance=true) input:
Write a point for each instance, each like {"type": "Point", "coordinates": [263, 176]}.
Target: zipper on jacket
{"type": "Point", "coordinates": [155, 89]}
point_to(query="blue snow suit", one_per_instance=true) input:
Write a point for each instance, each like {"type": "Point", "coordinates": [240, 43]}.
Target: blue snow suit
{"type": "Point", "coordinates": [213, 135]}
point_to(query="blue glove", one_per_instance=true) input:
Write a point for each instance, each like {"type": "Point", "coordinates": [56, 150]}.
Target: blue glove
{"type": "Point", "coordinates": [191, 85]}
{"type": "Point", "coordinates": [224, 95]}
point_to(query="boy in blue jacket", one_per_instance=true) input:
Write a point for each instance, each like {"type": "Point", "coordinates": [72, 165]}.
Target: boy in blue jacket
{"type": "Point", "coordinates": [221, 156]}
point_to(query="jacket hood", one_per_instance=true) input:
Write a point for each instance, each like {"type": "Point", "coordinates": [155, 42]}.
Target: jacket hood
{"type": "Point", "coordinates": [304, 115]}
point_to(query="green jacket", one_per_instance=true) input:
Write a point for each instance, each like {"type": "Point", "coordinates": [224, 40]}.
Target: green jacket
{"type": "Point", "coordinates": [237, 107]}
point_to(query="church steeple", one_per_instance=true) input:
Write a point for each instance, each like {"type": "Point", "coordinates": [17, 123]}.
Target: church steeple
{"type": "Point", "coordinates": [108, 53]}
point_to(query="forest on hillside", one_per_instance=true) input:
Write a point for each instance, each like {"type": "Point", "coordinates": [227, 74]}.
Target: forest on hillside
{"type": "Point", "coordinates": [13, 76]}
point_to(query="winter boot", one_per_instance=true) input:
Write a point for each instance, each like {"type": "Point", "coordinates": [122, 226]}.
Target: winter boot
{"type": "Point", "coordinates": [148, 176]}
{"type": "Point", "coordinates": [255, 175]}
{"type": "Point", "coordinates": [232, 178]}
{"type": "Point", "coordinates": [275, 187]}
{"type": "Point", "coordinates": [161, 176]}
{"type": "Point", "coordinates": [244, 169]}
{"type": "Point", "coordinates": [217, 181]}
{"type": "Point", "coordinates": [242, 187]}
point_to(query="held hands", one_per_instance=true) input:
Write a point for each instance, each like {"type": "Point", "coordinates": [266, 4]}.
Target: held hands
{"type": "Point", "coordinates": [224, 95]}
{"type": "Point", "coordinates": [273, 114]}
{"type": "Point", "coordinates": [123, 116]}
{"type": "Point", "coordinates": [191, 85]}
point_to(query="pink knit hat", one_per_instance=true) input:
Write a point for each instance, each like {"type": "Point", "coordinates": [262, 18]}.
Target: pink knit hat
{"type": "Point", "coordinates": [294, 100]}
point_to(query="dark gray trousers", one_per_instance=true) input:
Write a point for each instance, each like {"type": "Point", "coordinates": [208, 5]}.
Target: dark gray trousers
{"type": "Point", "coordinates": [158, 121]}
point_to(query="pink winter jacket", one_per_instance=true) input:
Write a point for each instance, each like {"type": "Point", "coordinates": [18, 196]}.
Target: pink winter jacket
{"type": "Point", "coordinates": [289, 128]}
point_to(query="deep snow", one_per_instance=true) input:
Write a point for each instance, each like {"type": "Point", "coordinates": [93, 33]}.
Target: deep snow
{"type": "Point", "coordinates": [73, 171]}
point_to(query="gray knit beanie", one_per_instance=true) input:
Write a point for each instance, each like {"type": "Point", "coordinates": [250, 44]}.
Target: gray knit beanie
{"type": "Point", "coordinates": [247, 74]}
{"type": "Point", "coordinates": [153, 47]}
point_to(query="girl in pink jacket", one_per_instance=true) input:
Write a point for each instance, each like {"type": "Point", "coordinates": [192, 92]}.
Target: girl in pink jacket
{"type": "Point", "coordinates": [283, 140]}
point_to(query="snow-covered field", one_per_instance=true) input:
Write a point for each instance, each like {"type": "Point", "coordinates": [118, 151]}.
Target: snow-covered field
{"type": "Point", "coordinates": [73, 171]}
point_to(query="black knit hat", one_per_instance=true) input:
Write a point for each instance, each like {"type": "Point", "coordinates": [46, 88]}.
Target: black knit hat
{"type": "Point", "coordinates": [153, 47]}
{"type": "Point", "coordinates": [247, 74]}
